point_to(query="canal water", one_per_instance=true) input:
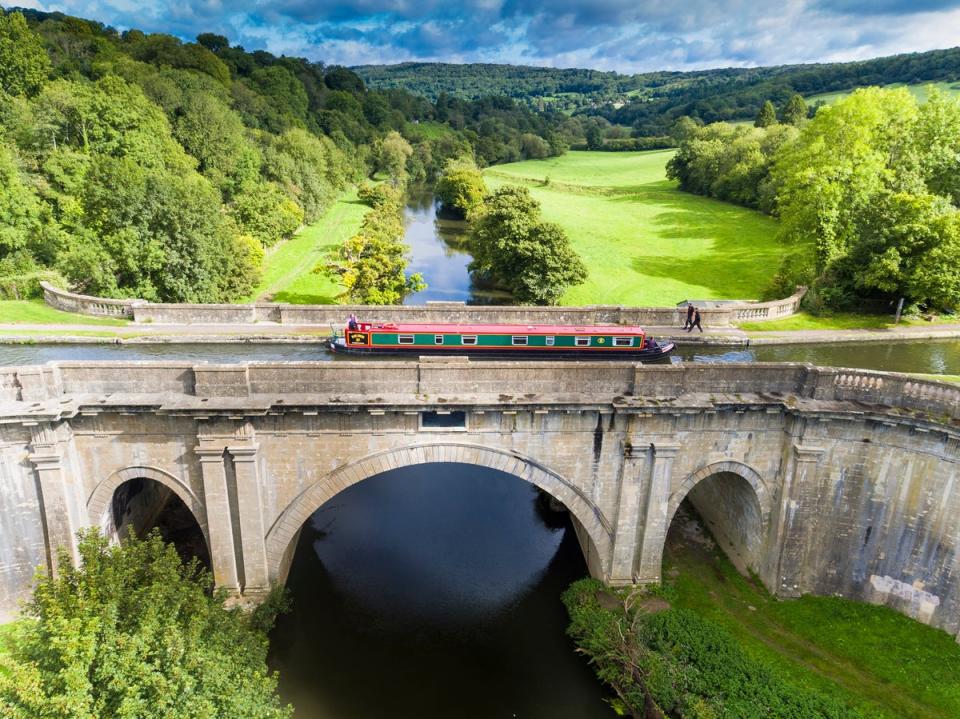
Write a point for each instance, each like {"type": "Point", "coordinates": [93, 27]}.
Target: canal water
{"type": "Point", "coordinates": [434, 591]}
{"type": "Point", "coordinates": [924, 356]}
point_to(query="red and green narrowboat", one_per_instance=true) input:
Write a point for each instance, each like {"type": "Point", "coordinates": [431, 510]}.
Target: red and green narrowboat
{"type": "Point", "coordinates": [501, 340]}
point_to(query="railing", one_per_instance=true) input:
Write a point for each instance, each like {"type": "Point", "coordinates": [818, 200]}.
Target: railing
{"type": "Point", "coordinates": [438, 312]}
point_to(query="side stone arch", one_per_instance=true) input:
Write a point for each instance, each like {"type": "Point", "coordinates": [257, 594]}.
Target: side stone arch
{"type": "Point", "coordinates": [744, 471]}
{"type": "Point", "coordinates": [102, 495]}
{"type": "Point", "coordinates": [281, 535]}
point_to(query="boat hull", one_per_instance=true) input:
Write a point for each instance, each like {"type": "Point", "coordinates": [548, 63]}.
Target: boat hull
{"type": "Point", "coordinates": [659, 352]}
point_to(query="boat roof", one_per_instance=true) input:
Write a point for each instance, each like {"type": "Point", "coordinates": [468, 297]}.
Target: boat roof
{"type": "Point", "coordinates": [480, 329]}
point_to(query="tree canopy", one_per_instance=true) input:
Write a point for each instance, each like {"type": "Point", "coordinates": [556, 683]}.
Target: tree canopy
{"type": "Point", "coordinates": [133, 633]}
{"type": "Point", "coordinates": [514, 248]}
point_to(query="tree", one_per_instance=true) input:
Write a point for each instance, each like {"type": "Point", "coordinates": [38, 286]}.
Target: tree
{"type": "Point", "coordinates": [24, 64]}
{"type": "Point", "coordinates": [461, 188]}
{"type": "Point", "coordinates": [392, 153]}
{"type": "Point", "coordinates": [372, 264]}
{"type": "Point", "coordinates": [767, 115]}
{"type": "Point", "coordinates": [795, 111]}
{"type": "Point", "coordinates": [594, 137]}
{"type": "Point", "coordinates": [265, 212]}
{"type": "Point", "coordinates": [908, 246]}
{"type": "Point", "coordinates": [515, 249]}
{"type": "Point", "coordinates": [132, 632]}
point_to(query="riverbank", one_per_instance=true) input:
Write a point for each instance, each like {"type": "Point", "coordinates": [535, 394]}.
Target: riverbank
{"type": "Point", "coordinates": [869, 658]}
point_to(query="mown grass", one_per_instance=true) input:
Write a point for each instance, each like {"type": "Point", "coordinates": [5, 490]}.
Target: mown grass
{"type": "Point", "coordinates": [938, 377]}
{"type": "Point", "coordinates": [643, 240]}
{"type": "Point", "coordinates": [840, 321]}
{"type": "Point", "coordinates": [872, 657]}
{"type": "Point", "coordinates": [26, 312]}
{"type": "Point", "coordinates": [919, 90]}
{"type": "Point", "coordinates": [288, 270]}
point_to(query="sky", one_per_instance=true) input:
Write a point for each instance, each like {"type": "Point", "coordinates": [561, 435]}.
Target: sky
{"type": "Point", "coordinates": [623, 35]}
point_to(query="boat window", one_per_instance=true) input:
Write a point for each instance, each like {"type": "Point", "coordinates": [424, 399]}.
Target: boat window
{"type": "Point", "coordinates": [623, 341]}
{"type": "Point", "coordinates": [405, 339]}
{"type": "Point", "coordinates": [583, 341]}
{"type": "Point", "coordinates": [438, 339]}
{"type": "Point", "coordinates": [549, 341]}
{"type": "Point", "coordinates": [469, 339]}
{"type": "Point", "coordinates": [519, 339]}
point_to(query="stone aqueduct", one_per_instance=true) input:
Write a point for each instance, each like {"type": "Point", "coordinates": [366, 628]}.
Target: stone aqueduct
{"type": "Point", "coordinates": [819, 480]}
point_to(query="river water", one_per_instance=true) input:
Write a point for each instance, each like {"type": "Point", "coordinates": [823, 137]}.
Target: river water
{"type": "Point", "coordinates": [438, 253]}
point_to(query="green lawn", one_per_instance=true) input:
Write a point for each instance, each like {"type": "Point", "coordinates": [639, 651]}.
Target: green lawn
{"type": "Point", "coordinates": [644, 241]}
{"type": "Point", "coordinates": [288, 275]}
{"type": "Point", "coordinates": [838, 321]}
{"type": "Point", "coordinates": [872, 657]}
{"type": "Point", "coordinates": [38, 312]}
{"type": "Point", "coordinates": [919, 90]}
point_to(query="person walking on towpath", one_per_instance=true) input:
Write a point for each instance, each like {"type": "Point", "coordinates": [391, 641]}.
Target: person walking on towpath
{"type": "Point", "coordinates": [696, 321]}
{"type": "Point", "coordinates": [689, 322]}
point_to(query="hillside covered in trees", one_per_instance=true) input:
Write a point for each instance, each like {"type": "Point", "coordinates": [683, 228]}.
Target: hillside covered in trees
{"type": "Point", "coordinates": [141, 165]}
{"type": "Point", "coordinates": [651, 102]}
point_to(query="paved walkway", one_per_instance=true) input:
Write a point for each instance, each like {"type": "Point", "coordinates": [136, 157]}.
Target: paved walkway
{"type": "Point", "coordinates": [269, 331]}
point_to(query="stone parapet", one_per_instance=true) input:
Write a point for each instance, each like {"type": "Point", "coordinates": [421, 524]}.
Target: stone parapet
{"type": "Point", "coordinates": [435, 312]}
{"type": "Point", "coordinates": [454, 379]}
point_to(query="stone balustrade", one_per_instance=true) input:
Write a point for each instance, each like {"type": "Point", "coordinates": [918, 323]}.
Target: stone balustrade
{"type": "Point", "coordinates": [435, 312]}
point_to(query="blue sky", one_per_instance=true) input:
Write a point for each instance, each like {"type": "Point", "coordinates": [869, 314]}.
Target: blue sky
{"type": "Point", "coordinates": [624, 35]}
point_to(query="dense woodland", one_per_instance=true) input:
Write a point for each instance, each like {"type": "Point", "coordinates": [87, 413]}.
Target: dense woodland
{"type": "Point", "coordinates": [140, 165]}
{"type": "Point", "coordinates": [650, 102]}
{"type": "Point", "coordinates": [867, 192]}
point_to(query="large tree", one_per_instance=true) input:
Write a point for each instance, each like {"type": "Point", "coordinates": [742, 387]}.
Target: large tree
{"type": "Point", "coordinates": [767, 115]}
{"type": "Point", "coordinates": [461, 188]}
{"type": "Point", "coordinates": [515, 249]}
{"type": "Point", "coordinates": [24, 65]}
{"type": "Point", "coordinates": [133, 633]}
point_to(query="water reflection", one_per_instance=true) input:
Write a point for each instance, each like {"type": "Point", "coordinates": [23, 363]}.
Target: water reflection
{"type": "Point", "coordinates": [434, 591]}
{"type": "Point", "coordinates": [439, 254]}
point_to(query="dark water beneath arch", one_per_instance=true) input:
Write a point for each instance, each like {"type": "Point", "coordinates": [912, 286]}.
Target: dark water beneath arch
{"type": "Point", "coordinates": [434, 591]}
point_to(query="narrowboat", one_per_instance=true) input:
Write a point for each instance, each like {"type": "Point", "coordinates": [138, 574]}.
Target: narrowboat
{"type": "Point", "coordinates": [500, 340]}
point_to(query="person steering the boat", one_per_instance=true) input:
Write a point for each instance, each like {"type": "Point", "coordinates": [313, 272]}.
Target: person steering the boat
{"type": "Point", "coordinates": [352, 322]}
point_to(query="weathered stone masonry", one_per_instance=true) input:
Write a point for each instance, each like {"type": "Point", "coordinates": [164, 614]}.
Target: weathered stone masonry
{"type": "Point", "coordinates": [820, 480]}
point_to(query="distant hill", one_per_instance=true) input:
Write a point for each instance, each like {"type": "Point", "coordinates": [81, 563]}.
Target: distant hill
{"type": "Point", "coordinates": [650, 102]}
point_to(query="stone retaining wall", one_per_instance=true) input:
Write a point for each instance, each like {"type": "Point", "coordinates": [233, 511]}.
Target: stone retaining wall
{"type": "Point", "coordinates": [436, 312]}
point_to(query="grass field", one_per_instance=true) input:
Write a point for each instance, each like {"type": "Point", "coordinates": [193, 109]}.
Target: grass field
{"type": "Point", "coordinates": [919, 91]}
{"type": "Point", "coordinates": [37, 312]}
{"type": "Point", "coordinates": [872, 657]}
{"type": "Point", "coordinates": [288, 270]}
{"type": "Point", "coordinates": [644, 241]}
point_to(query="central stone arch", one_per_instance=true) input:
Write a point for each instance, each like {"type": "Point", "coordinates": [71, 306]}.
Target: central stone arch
{"type": "Point", "coordinates": [280, 540]}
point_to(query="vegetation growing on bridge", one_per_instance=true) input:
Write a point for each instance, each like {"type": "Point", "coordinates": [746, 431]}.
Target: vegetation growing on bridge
{"type": "Point", "coordinates": [135, 633]}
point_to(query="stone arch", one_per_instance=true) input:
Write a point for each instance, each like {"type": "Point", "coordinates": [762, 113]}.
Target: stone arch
{"type": "Point", "coordinates": [280, 539]}
{"type": "Point", "coordinates": [102, 495]}
{"type": "Point", "coordinates": [741, 555]}
{"type": "Point", "coordinates": [744, 471]}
